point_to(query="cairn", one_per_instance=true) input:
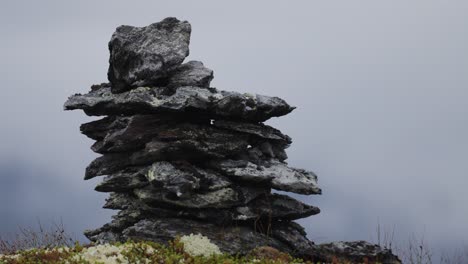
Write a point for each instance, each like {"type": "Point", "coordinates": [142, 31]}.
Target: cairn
{"type": "Point", "coordinates": [180, 157]}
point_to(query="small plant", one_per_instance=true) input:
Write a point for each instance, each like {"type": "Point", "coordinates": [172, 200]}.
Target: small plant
{"type": "Point", "coordinates": [40, 237]}
{"type": "Point", "coordinates": [415, 251]}
{"type": "Point", "coordinates": [457, 256]}
{"type": "Point", "coordinates": [139, 252]}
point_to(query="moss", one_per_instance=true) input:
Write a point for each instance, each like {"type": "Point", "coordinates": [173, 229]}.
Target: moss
{"type": "Point", "coordinates": [131, 252]}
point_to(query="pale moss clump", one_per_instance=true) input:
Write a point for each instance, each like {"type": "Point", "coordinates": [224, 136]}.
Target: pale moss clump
{"type": "Point", "coordinates": [249, 96]}
{"type": "Point", "coordinates": [150, 174]}
{"type": "Point", "coordinates": [9, 257]}
{"type": "Point", "coordinates": [198, 245]}
{"type": "Point", "coordinates": [194, 249]}
{"type": "Point", "coordinates": [108, 254]}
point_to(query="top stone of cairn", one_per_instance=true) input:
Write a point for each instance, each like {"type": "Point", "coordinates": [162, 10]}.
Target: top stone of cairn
{"type": "Point", "coordinates": [143, 56]}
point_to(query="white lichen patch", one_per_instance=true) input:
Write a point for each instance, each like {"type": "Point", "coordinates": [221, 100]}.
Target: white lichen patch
{"type": "Point", "coordinates": [281, 176]}
{"type": "Point", "coordinates": [107, 254]}
{"type": "Point", "coordinates": [217, 96]}
{"type": "Point", "coordinates": [9, 257]}
{"type": "Point", "coordinates": [111, 254]}
{"type": "Point", "coordinates": [188, 249]}
{"type": "Point", "coordinates": [249, 96]}
{"type": "Point", "coordinates": [150, 174]}
{"type": "Point", "coordinates": [140, 89]}
{"type": "Point", "coordinates": [199, 245]}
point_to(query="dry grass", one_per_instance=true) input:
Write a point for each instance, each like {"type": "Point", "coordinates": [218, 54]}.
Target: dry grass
{"type": "Point", "coordinates": [457, 256]}
{"type": "Point", "coordinates": [39, 237]}
{"type": "Point", "coordinates": [416, 249]}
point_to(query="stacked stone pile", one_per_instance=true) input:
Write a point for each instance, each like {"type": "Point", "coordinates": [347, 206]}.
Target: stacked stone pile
{"type": "Point", "coordinates": [180, 157]}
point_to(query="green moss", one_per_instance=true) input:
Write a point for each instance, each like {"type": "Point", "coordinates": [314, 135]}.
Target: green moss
{"type": "Point", "coordinates": [133, 252]}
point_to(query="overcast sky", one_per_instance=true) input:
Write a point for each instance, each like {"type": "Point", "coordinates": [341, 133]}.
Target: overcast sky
{"type": "Point", "coordinates": [380, 86]}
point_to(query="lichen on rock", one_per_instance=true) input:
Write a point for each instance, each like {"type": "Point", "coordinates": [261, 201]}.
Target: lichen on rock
{"type": "Point", "coordinates": [182, 158]}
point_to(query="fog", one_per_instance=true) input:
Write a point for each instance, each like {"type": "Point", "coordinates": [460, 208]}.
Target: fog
{"type": "Point", "coordinates": [380, 89]}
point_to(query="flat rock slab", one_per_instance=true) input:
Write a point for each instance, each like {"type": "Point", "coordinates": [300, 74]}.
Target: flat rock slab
{"type": "Point", "coordinates": [183, 179]}
{"type": "Point", "coordinates": [190, 100]}
{"type": "Point", "coordinates": [179, 178]}
{"type": "Point", "coordinates": [142, 56]}
{"type": "Point", "coordinates": [192, 73]}
{"type": "Point", "coordinates": [157, 150]}
{"type": "Point", "coordinates": [128, 134]}
{"type": "Point", "coordinates": [277, 174]}
{"type": "Point", "coordinates": [123, 181]}
{"type": "Point", "coordinates": [230, 239]}
{"type": "Point", "coordinates": [274, 206]}
{"type": "Point", "coordinates": [260, 130]}
{"type": "Point", "coordinates": [351, 252]}
{"type": "Point", "coordinates": [264, 207]}
{"type": "Point", "coordinates": [223, 198]}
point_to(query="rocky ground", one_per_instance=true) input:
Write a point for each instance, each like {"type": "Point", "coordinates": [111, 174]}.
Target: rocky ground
{"type": "Point", "coordinates": [186, 249]}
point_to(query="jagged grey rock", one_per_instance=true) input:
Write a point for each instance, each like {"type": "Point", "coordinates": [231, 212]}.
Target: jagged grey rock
{"type": "Point", "coordinates": [197, 101]}
{"type": "Point", "coordinates": [142, 129]}
{"type": "Point", "coordinates": [352, 252]}
{"type": "Point", "coordinates": [122, 200]}
{"type": "Point", "coordinates": [294, 234]}
{"type": "Point", "coordinates": [122, 181]}
{"type": "Point", "coordinates": [122, 134]}
{"type": "Point", "coordinates": [98, 129]}
{"type": "Point", "coordinates": [222, 198]}
{"type": "Point", "coordinates": [274, 172]}
{"type": "Point", "coordinates": [143, 56]}
{"type": "Point", "coordinates": [230, 239]}
{"type": "Point", "coordinates": [260, 130]}
{"type": "Point", "coordinates": [132, 126]}
{"type": "Point", "coordinates": [183, 179]}
{"type": "Point", "coordinates": [257, 204]}
{"type": "Point", "coordinates": [192, 73]}
{"type": "Point", "coordinates": [157, 150]}
{"type": "Point", "coordinates": [192, 143]}
{"type": "Point", "coordinates": [177, 181]}
{"type": "Point", "coordinates": [275, 206]}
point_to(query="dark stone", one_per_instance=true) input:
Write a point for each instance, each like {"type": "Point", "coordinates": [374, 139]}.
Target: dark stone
{"type": "Point", "coordinates": [192, 73]}
{"type": "Point", "coordinates": [125, 134]}
{"type": "Point", "coordinates": [260, 130]}
{"type": "Point", "coordinates": [157, 150]}
{"type": "Point", "coordinates": [278, 206]}
{"type": "Point", "coordinates": [182, 178]}
{"type": "Point", "coordinates": [98, 129]}
{"type": "Point", "coordinates": [272, 172]}
{"type": "Point", "coordinates": [196, 101]}
{"type": "Point", "coordinates": [142, 129]}
{"type": "Point", "coordinates": [121, 201]}
{"type": "Point", "coordinates": [260, 210]}
{"type": "Point", "coordinates": [135, 126]}
{"type": "Point", "coordinates": [293, 234]}
{"type": "Point", "coordinates": [230, 239]}
{"type": "Point", "coordinates": [123, 181]}
{"type": "Point", "coordinates": [143, 56]}
{"type": "Point", "coordinates": [179, 182]}
{"type": "Point", "coordinates": [351, 252]}
{"type": "Point", "coordinates": [222, 198]}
